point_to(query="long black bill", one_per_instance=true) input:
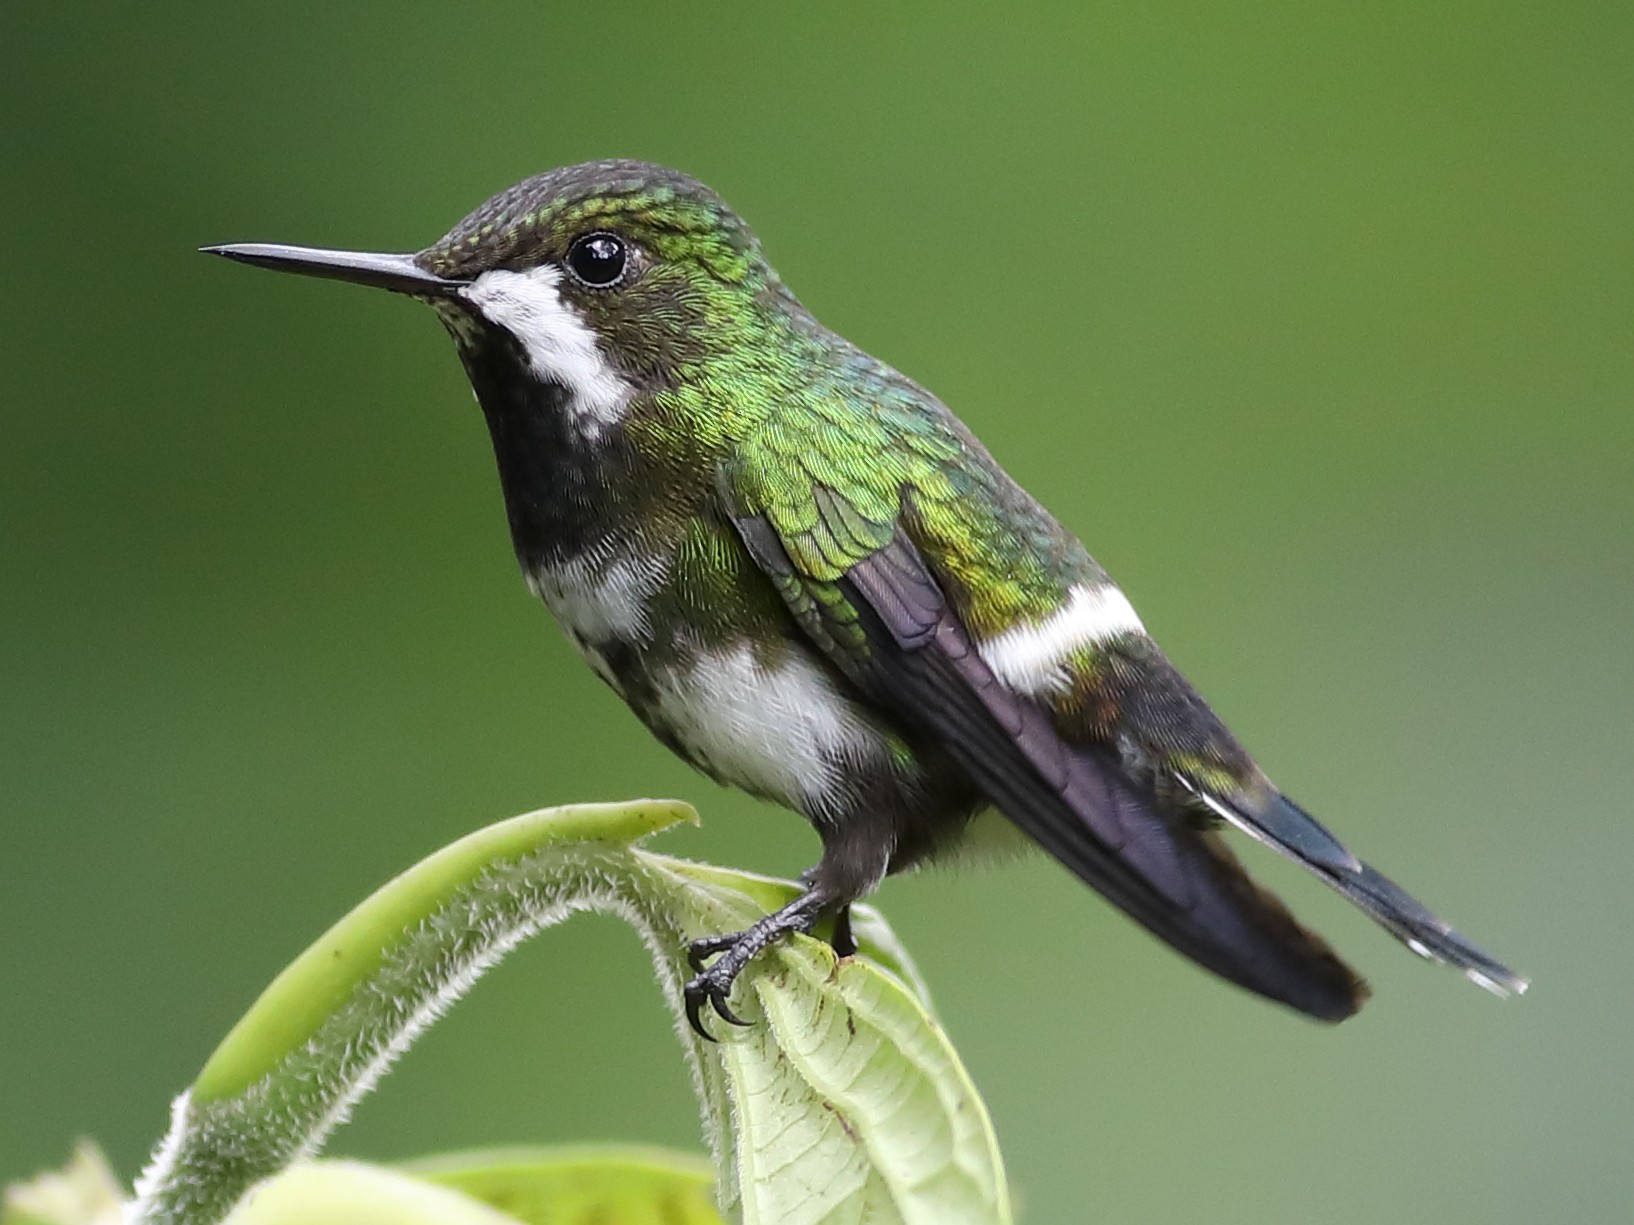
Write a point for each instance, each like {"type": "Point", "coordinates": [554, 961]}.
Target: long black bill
{"type": "Point", "coordinates": [398, 273]}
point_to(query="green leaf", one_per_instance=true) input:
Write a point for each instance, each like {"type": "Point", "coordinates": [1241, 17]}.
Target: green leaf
{"type": "Point", "coordinates": [602, 1185]}
{"type": "Point", "coordinates": [353, 1193]}
{"type": "Point", "coordinates": [845, 1103]}
{"type": "Point", "coordinates": [323, 981]}
{"type": "Point", "coordinates": [581, 1186]}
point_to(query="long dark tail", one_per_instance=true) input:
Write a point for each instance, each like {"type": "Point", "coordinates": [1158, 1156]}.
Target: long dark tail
{"type": "Point", "coordinates": [1288, 828]}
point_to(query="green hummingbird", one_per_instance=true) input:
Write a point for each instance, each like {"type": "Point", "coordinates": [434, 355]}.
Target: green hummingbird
{"type": "Point", "coordinates": [813, 583]}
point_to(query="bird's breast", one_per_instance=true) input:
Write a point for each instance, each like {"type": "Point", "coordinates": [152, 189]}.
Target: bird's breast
{"type": "Point", "coordinates": [716, 670]}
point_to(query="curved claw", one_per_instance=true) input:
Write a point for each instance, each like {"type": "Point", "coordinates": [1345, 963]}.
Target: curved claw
{"type": "Point", "coordinates": [726, 1014]}
{"type": "Point", "coordinates": [704, 988]}
{"type": "Point", "coordinates": [694, 1006]}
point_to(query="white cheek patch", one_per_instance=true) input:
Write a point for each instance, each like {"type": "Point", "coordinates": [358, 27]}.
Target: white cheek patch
{"type": "Point", "coordinates": [1032, 659]}
{"type": "Point", "coordinates": [561, 348]}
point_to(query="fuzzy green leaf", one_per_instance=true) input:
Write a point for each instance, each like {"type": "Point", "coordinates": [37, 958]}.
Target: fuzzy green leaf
{"type": "Point", "coordinates": [846, 1103]}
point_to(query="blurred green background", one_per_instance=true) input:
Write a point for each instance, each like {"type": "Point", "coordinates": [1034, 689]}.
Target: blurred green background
{"type": "Point", "coordinates": [1316, 321]}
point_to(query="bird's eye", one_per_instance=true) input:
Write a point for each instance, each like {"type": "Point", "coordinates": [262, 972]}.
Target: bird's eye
{"type": "Point", "coordinates": [599, 260]}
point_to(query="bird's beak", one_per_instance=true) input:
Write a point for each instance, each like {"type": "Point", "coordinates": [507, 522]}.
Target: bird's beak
{"type": "Point", "coordinates": [398, 273]}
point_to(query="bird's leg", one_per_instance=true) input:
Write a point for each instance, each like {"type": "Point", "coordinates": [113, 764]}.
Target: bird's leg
{"type": "Point", "coordinates": [844, 943]}
{"type": "Point", "coordinates": [841, 940]}
{"type": "Point", "coordinates": [850, 867]}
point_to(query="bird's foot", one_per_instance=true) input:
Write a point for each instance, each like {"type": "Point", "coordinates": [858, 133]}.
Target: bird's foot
{"type": "Point", "coordinates": [712, 984]}
{"type": "Point", "coordinates": [713, 987]}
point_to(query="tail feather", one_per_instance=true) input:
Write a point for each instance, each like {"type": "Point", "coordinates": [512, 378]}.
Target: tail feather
{"type": "Point", "coordinates": [1289, 829]}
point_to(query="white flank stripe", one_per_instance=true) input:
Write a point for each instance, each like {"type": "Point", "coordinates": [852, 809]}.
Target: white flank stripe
{"type": "Point", "coordinates": [560, 347]}
{"type": "Point", "coordinates": [1032, 658]}
{"type": "Point", "coordinates": [601, 598]}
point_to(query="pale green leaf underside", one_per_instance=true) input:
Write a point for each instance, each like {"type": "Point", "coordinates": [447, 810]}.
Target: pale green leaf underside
{"type": "Point", "coordinates": [845, 1103]}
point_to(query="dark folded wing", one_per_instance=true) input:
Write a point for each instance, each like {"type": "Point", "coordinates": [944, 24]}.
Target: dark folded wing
{"type": "Point", "coordinates": [887, 623]}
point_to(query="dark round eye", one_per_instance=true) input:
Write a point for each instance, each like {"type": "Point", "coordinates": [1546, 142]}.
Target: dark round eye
{"type": "Point", "coordinates": [598, 259]}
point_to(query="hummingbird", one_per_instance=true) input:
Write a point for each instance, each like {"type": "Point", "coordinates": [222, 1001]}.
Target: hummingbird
{"type": "Point", "coordinates": [812, 582]}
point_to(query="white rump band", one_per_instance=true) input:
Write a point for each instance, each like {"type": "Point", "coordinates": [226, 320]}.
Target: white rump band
{"type": "Point", "coordinates": [1032, 659]}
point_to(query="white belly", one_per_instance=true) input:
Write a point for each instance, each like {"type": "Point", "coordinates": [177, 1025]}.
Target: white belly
{"type": "Point", "coordinates": [783, 732]}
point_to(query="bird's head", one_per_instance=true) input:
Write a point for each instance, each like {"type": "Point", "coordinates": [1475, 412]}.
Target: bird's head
{"type": "Point", "coordinates": [601, 281]}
